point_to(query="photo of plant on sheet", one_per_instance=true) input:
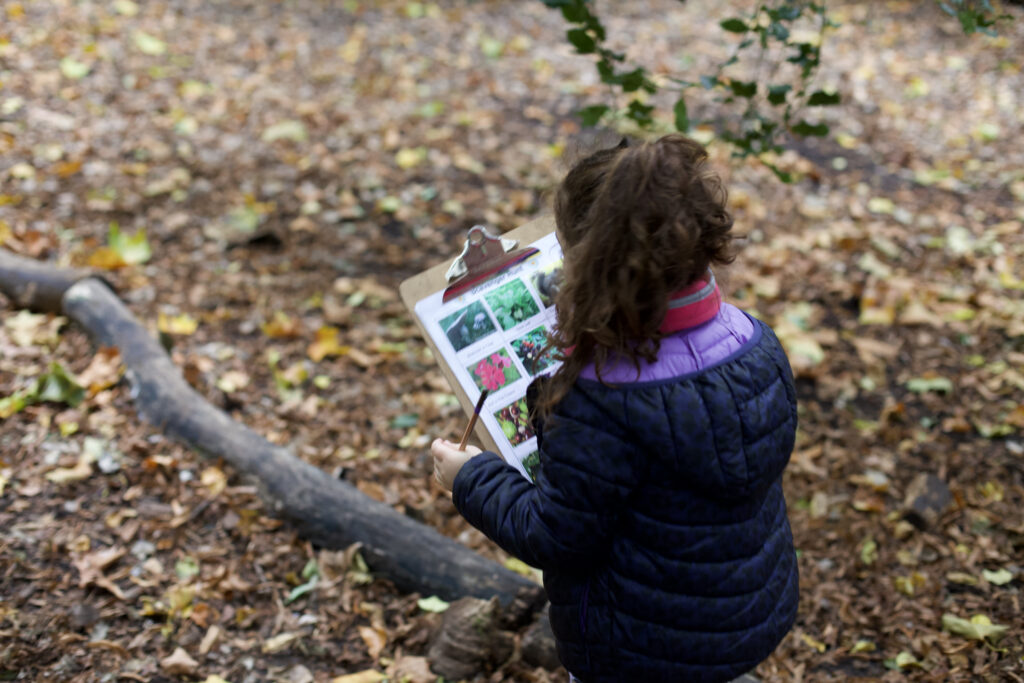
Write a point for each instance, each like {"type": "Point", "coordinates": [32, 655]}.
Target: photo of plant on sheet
{"type": "Point", "coordinates": [494, 371]}
{"type": "Point", "coordinates": [467, 326]}
{"type": "Point", "coordinates": [511, 304]}
{"type": "Point", "coordinates": [513, 422]}
{"type": "Point", "coordinates": [531, 463]}
{"type": "Point", "coordinates": [530, 350]}
{"type": "Point", "coordinates": [546, 282]}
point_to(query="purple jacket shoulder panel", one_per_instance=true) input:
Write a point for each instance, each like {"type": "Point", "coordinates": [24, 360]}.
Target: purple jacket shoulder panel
{"type": "Point", "coordinates": [687, 351]}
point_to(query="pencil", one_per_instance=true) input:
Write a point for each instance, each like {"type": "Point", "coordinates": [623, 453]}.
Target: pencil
{"type": "Point", "coordinates": [472, 420]}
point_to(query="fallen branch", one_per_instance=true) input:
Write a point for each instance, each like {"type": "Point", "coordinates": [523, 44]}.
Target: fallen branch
{"type": "Point", "coordinates": [33, 285]}
{"type": "Point", "coordinates": [324, 510]}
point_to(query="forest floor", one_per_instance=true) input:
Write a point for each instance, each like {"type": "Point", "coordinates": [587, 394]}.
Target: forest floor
{"type": "Point", "coordinates": [287, 164]}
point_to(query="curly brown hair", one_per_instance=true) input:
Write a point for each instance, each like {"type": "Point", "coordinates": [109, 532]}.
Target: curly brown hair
{"type": "Point", "coordinates": [636, 223]}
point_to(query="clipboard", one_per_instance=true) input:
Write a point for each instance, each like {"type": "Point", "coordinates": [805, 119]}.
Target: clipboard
{"type": "Point", "coordinates": [470, 274]}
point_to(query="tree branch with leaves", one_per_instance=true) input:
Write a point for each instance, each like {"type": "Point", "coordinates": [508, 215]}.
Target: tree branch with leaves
{"type": "Point", "coordinates": [786, 36]}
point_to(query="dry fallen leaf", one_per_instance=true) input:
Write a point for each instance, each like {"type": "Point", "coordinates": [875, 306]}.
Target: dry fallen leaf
{"type": "Point", "coordinates": [375, 639]}
{"type": "Point", "coordinates": [326, 344]}
{"type": "Point", "coordinates": [367, 676]}
{"type": "Point", "coordinates": [279, 642]}
{"type": "Point", "coordinates": [178, 663]}
{"type": "Point", "coordinates": [411, 669]}
{"type": "Point", "coordinates": [91, 565]}
{"type": "Point", "coordinates": [103, 371]}
{"type": "Point", "coordinates": [282, 326]}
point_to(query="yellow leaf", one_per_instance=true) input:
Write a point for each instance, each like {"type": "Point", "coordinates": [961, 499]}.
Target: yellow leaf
{"type": "Point", "coordinates": [66, 169]}
{"type": "Point", "coordinates": [961, 578]}
{"type": "Point", "coordinates": [868, 551]}
{"type": "Point", "coordinates": [291, 129]}
{"type": "Point", "coordinates": [519, 567]}
{"type": "Point", "coordinates": [279, 642]}
{"type": "Point", "coordinates": [368, 676]}
{"type": "Point", "coordinates": [999, 577]}
{"type": "Point", "coordinates": [881, 205]}
{"type": "Point", "coordinates": [282, 326]}
{"type": "Point", "coordinates": [863, 646]}
{"type": "Point", "coordinates": [5, 232]}
{"type": "Point", "coordinates": [214, 479]}
{"type": "Point", "coordinates": [407, 157]}
{"type": "Point", "coordinates": [816, 644]}
{"type": "Point", "coordinates": [128, 9]}
{"type": "Point", "coordinates": [177, 324]}
{"type": "Point", "coordinates": [905, 660]}
{"type": "Point", "coordinates": [909, 584]}
{"type": "Point", "coordinates": [22, 171]}
{"type": "Point", "coordinates": [326, 344]}
{"type": "Point", "coordinates": [353, 47]}
{"type": "Point", "coordinates": [106, 258]}
{"type": "Point", "coordinates": [980, 627]}
{"type": "Point", "coordinates": [150, 45]}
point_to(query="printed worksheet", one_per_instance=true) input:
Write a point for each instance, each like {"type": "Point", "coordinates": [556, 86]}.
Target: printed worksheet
{"type": "Point", "coordinates": [492, 337]}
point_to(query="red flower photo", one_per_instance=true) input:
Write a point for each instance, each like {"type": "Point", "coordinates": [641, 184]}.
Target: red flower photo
{"type": "Point", "coordinates": [494, 371]}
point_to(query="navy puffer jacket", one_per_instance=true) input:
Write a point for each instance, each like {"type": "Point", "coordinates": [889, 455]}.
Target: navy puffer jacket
{"type": "Point", "coordinates": [658, 520]}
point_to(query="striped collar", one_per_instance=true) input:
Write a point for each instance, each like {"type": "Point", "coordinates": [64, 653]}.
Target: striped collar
{"type": "Point", "coordinates": [693, 305]}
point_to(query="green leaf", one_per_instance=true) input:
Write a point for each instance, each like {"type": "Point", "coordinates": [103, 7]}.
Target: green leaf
{"type": "Point", "coordinates": [581, 40]}
{"type": "Point", "coordinates": [777, 93]}
{"type": "Point", "coordinates": [804, 128]}
{"type": "Point", "coordinates": [784, 176]}
{"type": "Point", "coordinates": [310, 569]}
{"type": "Point", "coordinates": [778, 31]}
{"type": "Point", "coordinates": [405, 421]}
{"type": "Point", "coordinates": [186, 568]}
{"type": "Point", "coordinates": [73, 69]}
{"type": "Point", "coordinates": [132, 249]}
{"type": "Point", "coordinates": [1000, 577]}
{"type": "Point", "coordinates": [632, 81]}
{"type": "Point", "coordinates": [432, 604]}
{"type": "Point", "coordinates": [978, 628]}
{"type": "Point", "coordinates": [592, 114]}
{"type": "Point", "coordinates": [301, 590]}
{"type": "Point", "coordinates": [640, 112]}
{"type": "Point", "coordinates": [492, 47]}
{"type": "Point", "coordinates": [682, 118]}
{"type": "Point", "coordinates": [56, 386]}
{"type": "Point", "coordinates": [708, 82]}
{"type": "Point", "coordinates": [148, 44]}
{"type": "Point", "coordinates": [575, 12]}
{"type": "Point", "coordinates": [745, 89]}
{"type": "Point", "coordinates": [868, 551]}
{"type": "Point", "coordinates": [904, 660]}
{"type": "Point", "coordinates": [921, 385]}
{"type": "Point", "coordinates": [15, 403]}
{"type": "Point", "coordinates": [734, 25]}
{"type": "Point", "coordinates": [820, 98]}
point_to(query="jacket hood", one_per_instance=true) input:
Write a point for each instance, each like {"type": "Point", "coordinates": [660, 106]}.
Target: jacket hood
{"type": "Point", "coordinates": [727, 430]}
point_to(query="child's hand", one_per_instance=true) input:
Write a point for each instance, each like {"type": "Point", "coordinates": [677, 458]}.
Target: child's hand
{"type": "Point", "coordinates": [448, 460]}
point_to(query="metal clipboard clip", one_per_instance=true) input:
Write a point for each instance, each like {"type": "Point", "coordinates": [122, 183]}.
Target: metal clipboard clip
{"type": "Point", "coordinates": [484, 256]}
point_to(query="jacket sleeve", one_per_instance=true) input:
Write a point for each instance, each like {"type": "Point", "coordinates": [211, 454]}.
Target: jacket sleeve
{"type": "Point", "coordinates": [568, 517]}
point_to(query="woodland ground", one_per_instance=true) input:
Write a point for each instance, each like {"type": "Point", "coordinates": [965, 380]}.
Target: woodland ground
{"type": "Point", "coordinates": [291, 162]}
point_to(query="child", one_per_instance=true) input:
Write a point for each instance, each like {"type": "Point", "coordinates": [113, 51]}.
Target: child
{"type": "Point", "coordinates": [657, 516]}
